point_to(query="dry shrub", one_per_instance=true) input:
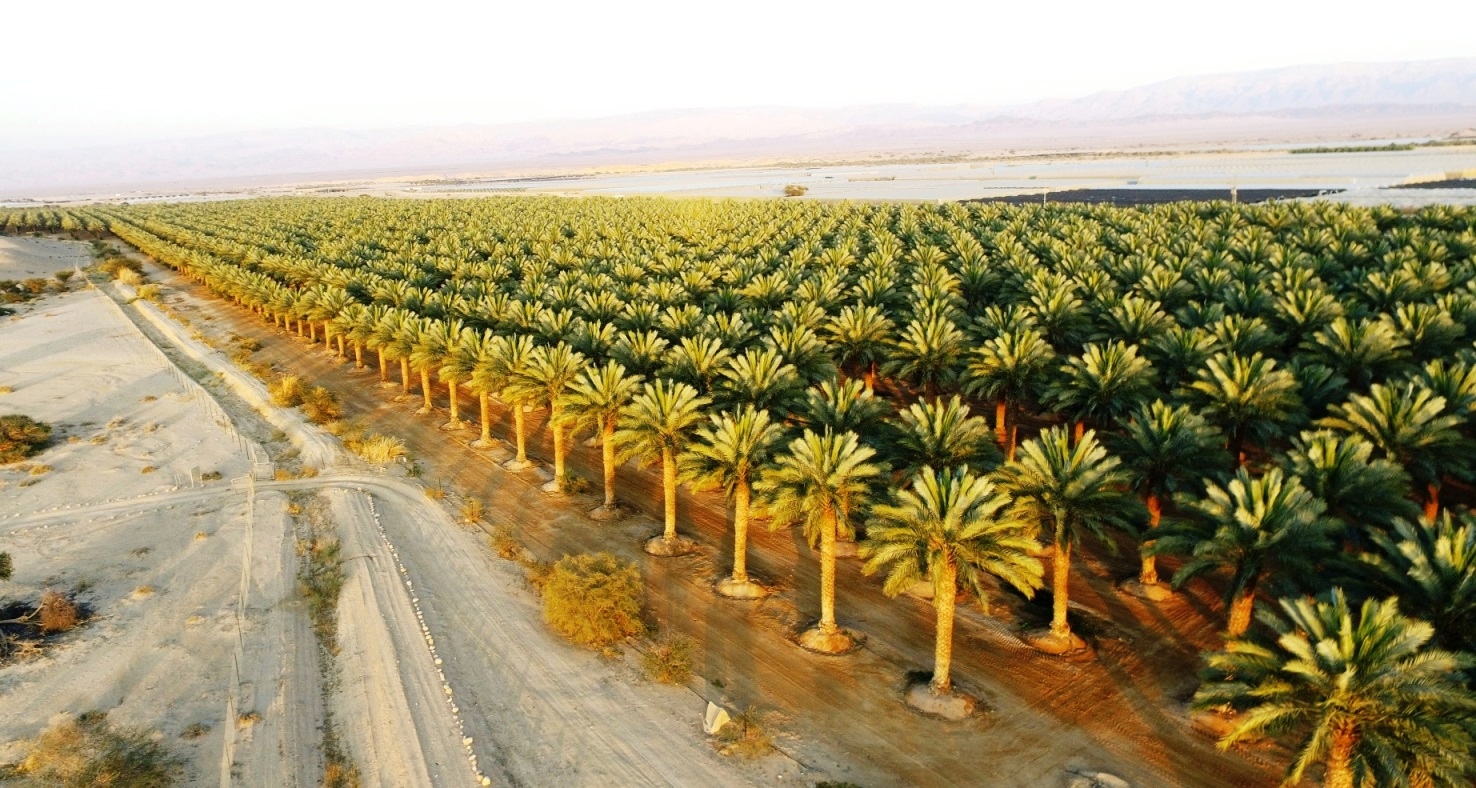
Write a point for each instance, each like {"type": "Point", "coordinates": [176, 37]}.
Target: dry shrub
{"type": "Point", "coordinates": [745, 736]}
{"type": "Point", "coordinates": [379, 448]}
{"type": "Point", "coordinates": [22, 437]}
{"type": "Point", "coordinates": [287, 391]}
{"type": "Point", "coordinates": [7, 389]}
{"type": "Point", "coordinates": [593, 599]}
{"type": "Point", "coordinates": [471, 510]}
{"type": "Point", "coordinates": [147, 469]}
{"type": "Point", "coordinates": [149, 292]}
{"type": "Point", "coordinates": [339, 775]}
{"type": "Point", "coordinates": [436, 491]}
{"type": "Point", "coordinates": [113, 265]}
{"type": "Point", "coordinates": [795, 190]}
{"type": "Point", "coordinates": [130, 277]}
{"type": "Point", "coordinates": [195, 730]}
{"type": "Point", "coordinates": [7, 567]}
{"type": "Point", "coordinates": [321, 406]}
{"type": "Point", "coordinates": [504, 543]}
{"type": "Point", "coordinates": [669, 660]}
{"type": "Point", "coordinates": [88, 751]}
{"type": "Point", "coordinates": [58, 613]}
{"type": "Point", "coordinates": [40, 470]}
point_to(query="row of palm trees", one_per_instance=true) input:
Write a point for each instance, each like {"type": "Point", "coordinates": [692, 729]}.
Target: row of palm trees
{"type": "Point", "coordinates": [1259, 392]}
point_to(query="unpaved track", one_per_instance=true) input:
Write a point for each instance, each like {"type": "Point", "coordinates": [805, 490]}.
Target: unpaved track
{"type": "Point", "coordinates": [1121, 712]}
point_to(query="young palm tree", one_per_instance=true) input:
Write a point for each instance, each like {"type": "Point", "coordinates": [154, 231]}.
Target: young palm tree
{"type": "Point", "coordinates": [544, 383]}
{"type": "Point", "coordinates": [1409, 425]}
{"type": "Point", "coordinates": [1103, 384]}
{"type": "Point", "coordinates": [860, 334]}
{"type": "Point", "coordinates": [1255, 529]}
{"type": "Point", "coordinates": [656, 426]}
{"type": "Point", "coordinates": [1431, 567]}
{"type": "Point", "coordinates": [512, 362]}
{"type": "Point", "coordinates": [821, 481]}
{"type": "Point", "coordinates": [1166, 450]}
{"type": "Point", "coordinates": [728, 453]}
{"type": "Point", "coordinates": [1249, 398]}
{"type": "Point", "coordinates": [1011, 369]}
{"type": "Point", "coordinates": [943, 435]}
{"type": "Point", "coordinates": [1360, 690]}
{"type": "Point", "coordinates": [952, 528]}
{"type": "Point", "coordinates": [594, 402]}
{"type": "Point", "coordinates": [1358, 489]}
{"type": "Point", "coordinates": [1068, 491]}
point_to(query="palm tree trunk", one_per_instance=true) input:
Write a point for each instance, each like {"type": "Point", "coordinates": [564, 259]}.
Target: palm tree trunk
{"type": "Point", "coordinates": [1001, 429]}
{"type": "Point", "coordinates": [405, 375]}
{"type": "Point", "coordinates": [383, 366]}
{"type": "Point", "coordinates": [312, 332]}
{"type": "Point", "coordinates": [517, 409]}
{"type": "Point", "coordinates": [1149, 574]}
{"type": "Point", "coordinates": [1060, 576]}
{"type": "Point", "coordinates": [607, 454]}
{"type": "Point", "coordinates": [1338, 770]}
{"type": "Point", "coordinates": [870, 376]}
{"type": "Point", "coordinates": [827, 575]}
{"type": "Point", "coordinates": [943, 599]}
{"type": "Point", "coordinates": [558, 440]}
{"type": "Point", "coordinates": [1241, 608]}
{"type": "Point", "coordinates": [425, 388]}
{"type": "Point", "coordinates": [486, 417]}
{"type": "Point", "coordinates": [1432, 501]}
{"type": "Point", "coordinates": [1078, 431]}
{"type": "Point", "coordinates": [358, 355]}
{"type": "Point", "coordinates": [669, 488]}
{"type": "Point", "coordinates": [1014, 441]}
{"type": "Point", "coordinates": [741, 495]}
{"type": "Point", "coordinates": [341, 351]}
{"type": "Point", "coordinates": [455, 406]}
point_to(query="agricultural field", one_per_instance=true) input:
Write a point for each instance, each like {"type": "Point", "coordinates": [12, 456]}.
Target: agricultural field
{"type": "Point", "coordinates": [1270, 411]}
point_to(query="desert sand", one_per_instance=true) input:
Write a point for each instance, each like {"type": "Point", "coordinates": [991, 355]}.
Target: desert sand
{"type": "Point", "coordinates": [444, 675]}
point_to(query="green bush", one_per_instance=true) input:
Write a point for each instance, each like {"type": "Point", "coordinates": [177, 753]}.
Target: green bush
{"type": "Point", "coordinates": [321, 406]}
{"type": "Point", "coordinates": [22, 437]}
{"type": "Point", "coordinates": [593, 599]}
{"type": "Point", "coordinates": [7, 567]}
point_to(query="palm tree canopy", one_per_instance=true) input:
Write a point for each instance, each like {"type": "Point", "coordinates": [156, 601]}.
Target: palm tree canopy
{"type": "Point", "coordinates": [817, 478]}
{"type": "Point", "coordinates": [597, 394]}
{"type": "Point", "coordinates": [660, 419]}
{"type": "Point", "coordinates": [1069, 490]}
{"type": "Point", "coordinates": [842, 407]}
{"type": "Point", "coordinates": [1431, 567]}
{"type": "Point", "coordinates": [951, 518]}
{"type": "Point", "coordinates": [728, 452]}
{"type": "Point", "coordinates": [1327, 671]}
{"type": "Point", "coordinates": [1409, 425]}
{"type": "Point", "coordinates": [1341, 470]}
{"type": "Point", "coordinates": [546, 377]}
{"type": "Point", "coordinates": [1103, 383]}
{"type": "Point", "coordinates": [1013, 366]}
{"type": "Point", "coordinates": [1248, 397]}
{"type": "Point", "coordinates": [944, 435]}
{"type": "Point", "coordinates": [1167, 449]}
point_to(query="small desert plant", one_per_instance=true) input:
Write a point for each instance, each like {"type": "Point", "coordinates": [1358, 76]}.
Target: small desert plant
{"type": "Point", "coordinates": [149, 292]}
{"type": "Point", "coordinates": [669, 660]}
{"type": "Point", "coordinates": [210, 476]}
{"type": "Point", "coordinates": [379, 448]}
{"type": "Point", "coordinates": [113, 265]}
{"type": "Point", "coordinates": [7, 567]}
{"type": "Point", "coordinates": [744, 736]}
{"type": "Point", "coordinates": [321, 406]}
{"type": "Point", "coordinates": [65, 276]}
{"type": "Point", "coordinates": [21, 437]}
{"type": "Point", "coordinates": [795, 190]}
{"type": "Point", "coordinates": [593, 599]}
{"type": "Point", "coordinates": [435, 491]}
{"type": "Point", "coordinates": [130, 277]}
{"type": "Point", "coordinates": [320, 580]}
{"type": "Point", "coordinates": [88, 751]}
{"type": "Point", "coordinates": [194, 730]}
{"type": "Point", "coordinates": [287, 391]}
{"type": "Point", "coordinates": [471, 510]}
{"type": "Point", "coordinates": [147, 469]}
{"type": "Point", "coordinates": [35, 285]}
{"type": "Point", "coordinates": [504, 543]}
{"type": "Point", "coordinates": [7, 389]}
{"type": "Point", "coordinates": [58, 613]}
{"type": "Point", "coordinates": [40, 470]}
{"type": "Point", "coordinates": [340, 775]}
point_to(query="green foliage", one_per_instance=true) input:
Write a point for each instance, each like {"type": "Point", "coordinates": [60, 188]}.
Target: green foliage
{"type": "Point", "coordinates": [90, 751]}
{"type": "Point", "coordinates": [22, 437]}
{"type": "Point", "coordinates": [7, 567]}
{"type": "Point", "coordinates": [594, 599]}
{"type": "Point", "coordinates": [669, 660]}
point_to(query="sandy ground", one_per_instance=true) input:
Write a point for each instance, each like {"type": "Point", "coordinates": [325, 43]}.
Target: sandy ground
{"type": "Point", "coordinates": [445, 674]}
{"type": "Point", "coordinates": [24, 258]}
{"type": "Point", "coordinates": [1122, 712]}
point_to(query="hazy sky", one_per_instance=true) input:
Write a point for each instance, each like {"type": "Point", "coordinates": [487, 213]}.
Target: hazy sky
{"type": "Point", "coordinates": [87, 71]}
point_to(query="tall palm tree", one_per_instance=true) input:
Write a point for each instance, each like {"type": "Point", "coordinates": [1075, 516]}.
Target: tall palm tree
{"type": "Point", "coordinates": [952, 528]}
{"type": "Point", "coordinates": [821, 481]}
{"type": "Point", "coordinates": [1360, 691]}
{"type": "Point", "coordinates": [1409, 425]}
{"type": "Point", "coordinates": [510, 364]}
{"type": "Point", "coordinates": [1249, 398]}
{"type": "Point", "coordinates": [1254, 529]}
{"type": "Point", "coordinates": [594, 402]}
{"type": "Point", "coordinates": [1068, 491]}
{"type": "Point", "coordinates": [1166, 450]}
{"type": "Point", "coordinates": [698, 362]}
{"type": "Point", "coordinates": [1431, 567]}
{"type": "Point", "coordinates": [487, 378]}
{"type": "Point", "coordinates": [728, 453]}
{"type": "Point", "coordinates": [943, 435]}
{"type": "Point", "coordinates": [1011, 369]}
{"type": "Point", "coordinates": [1359, 489]}
{"type": "Point", "coordinates": [656, 426]}
{"type": "Point", "coordinates": [544, 383]}
{"type": "Point", "coordinates": [457, 366]}
{"type": "Point", "coordinates": [762, 379]}
{"type": "Point", "coordinates": [400, 333]}
{"type": "Point", "coordinates": [435, 341]}
{"type": "Point", "coordinates": [1102, 385]}
{"type": "Point", "coordinates": [842, 407]}
{"type": "Point", "coordinates": [361, 333]}
{"type": "Point", "coordinates": [860, 334]}
{"type": "Point", "coordinates": [929, 352]}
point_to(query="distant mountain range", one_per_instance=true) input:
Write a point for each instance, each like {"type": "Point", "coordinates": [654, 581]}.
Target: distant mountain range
{"type": "Point", "coordinates": [1432, 98]}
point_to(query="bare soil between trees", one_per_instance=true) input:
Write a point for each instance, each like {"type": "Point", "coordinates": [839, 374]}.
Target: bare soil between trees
{"type": "Point", "coordinates": [1120, 711]}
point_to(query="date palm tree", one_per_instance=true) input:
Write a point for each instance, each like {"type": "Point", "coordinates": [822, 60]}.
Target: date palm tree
{"type": "Point", "coordinates": [929, 352]}
{"type": "Point", "coordinates": [656, 426]}
{"type": "Point", "coordinates": [1249, 398]}
{"type": "Point", "coordinates": [544, 383]}
{"type": "Point", "coordinates": [487, 378]}
{"type": "Point", "coordinates": [510, 364]}
{"type": "Point", "coordinates": [698, 362]}
{"type": "Point", "coordinates": [1359, 489]}
{"type": "Point", "coordinates": [860, 334]}
{"type": "Point", "coordinates": [943, 435]}
{"type": "Point", "coordinates": [842, 407]}
{"type": "Point", "coordinates": [728, 453]}
{"type": "Point", "coordinates": [436, 340]}
{"type": "Point", "coordinates": [1011, 369]}
{"type": "Point", "coordinates": [594, 402]}
{"type": "Point", "coordinates": [762, 379]}
{"type": "Point", "coordinates": [1431, 567]}
{"type": "Point", "coordinates": [1253, 529]}
{"type": "Point", "coordinates": [1068, 491]}
{"type": "Point", "coordinates": [821, 481]}
{"type": "Point", "coordinates": [1409, 425]}
{"type": "Point", "coordinates": [457, 366]}
{"type": "Point", "coordinates": [395, 338]}
{"type": "Point", "coordinates": [1102, 385]}
{"type": "Point", "coordinates": [1166, 450]}
{"type": "Point", "coordinates": [1360, 692]}
{"type": "Point", "coordinates": [954, 529]}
